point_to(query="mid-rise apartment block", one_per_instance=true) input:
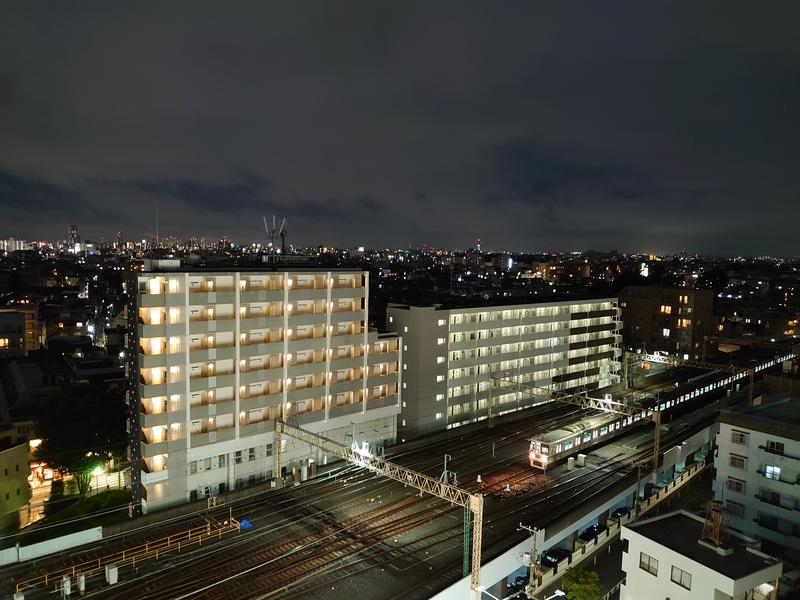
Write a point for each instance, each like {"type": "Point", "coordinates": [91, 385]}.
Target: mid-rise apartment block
{"type": "Point", "coordinates": [451, 354]}
{"type": "Point", "coordinates": [758, 473]}
{"type": "Point", "coordinates": [673, 320]}
{"type": "Point", "coordinates": [215, 357]}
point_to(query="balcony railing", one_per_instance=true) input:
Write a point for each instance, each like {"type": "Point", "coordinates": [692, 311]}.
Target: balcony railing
{"type": "Point", "coordinates": [779, 453]}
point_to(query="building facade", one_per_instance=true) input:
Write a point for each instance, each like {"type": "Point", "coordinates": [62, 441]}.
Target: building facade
{"type": "Point", "coordinates": [215, 357]}
{"type": "Point", "coordinates": [664, 557]}
{"type": "Point", "coordinates": [673, 320]}
{"type": "Point", "coordinates": [758, 473]}
{"type": "Point", "coordinates": [450, 356]}
{"type": "Point", "coordinates": [14, 470]}
{"type": "Point", "coordinates": [30, 330]}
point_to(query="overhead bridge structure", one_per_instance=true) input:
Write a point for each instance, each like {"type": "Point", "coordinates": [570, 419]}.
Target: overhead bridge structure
{"type": "Point", "coordinates": [472, 503]}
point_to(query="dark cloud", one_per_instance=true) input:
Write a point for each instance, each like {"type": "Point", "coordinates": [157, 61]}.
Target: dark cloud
{"type": "Point", "coordinates": [532, 126]}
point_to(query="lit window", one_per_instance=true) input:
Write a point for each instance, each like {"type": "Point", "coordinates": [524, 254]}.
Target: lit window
{"type": "Point", "coordinates": [405, 329]}
{"type": "Point", "coordinates": [775, 447]}
{"type": "Point", "coordinates": [438, 415]}
{"type": "Point", "coordinates": [666, 310]}
{"type": "Point", "coordinates": [682, 578]}
{"type": "Point", "coordinates": [665, 332]}
{"type": "Point", "coordinates": [440, 341]}
{"type": "Point", "coordinates": [439, 378]}
{"type": "Point", "coordinates": [3, 342]}
{"type": "Point", "coordinates": [404, 385]}
{"type": "Point", "coordinates": [439, 397]}
{"type": "Point", "coordinates": [441, 322]}
{"type": "Point", "coordinates": [405, 347]}
{"type": "Point", "coordinates": [439, 360]}
{"type": "Point", "coordinates": [771, 472]}
{"type": "Point", "coordinates": [391, 319]}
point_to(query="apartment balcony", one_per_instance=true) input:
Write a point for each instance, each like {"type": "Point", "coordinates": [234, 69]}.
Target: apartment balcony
{"type": "Point", "coordinates": [386, 379]}
{"type": "Point", "coordinates": [203, 411]}
{"type": "Point", "coordinates": [260, 322]}
{"type": "Point", "coordinates": [306, 393]}
{"type": "Point", "coordinates": [308, 368]}
{"type": "Point", "coordinates": [787, 512]}
{"type": "Point", "coordinates": [151, 331]}
{"type": "Point", "coordinates": [298, 319]}
{"type": "Point", "coordinates": [788, 531]}
{"type": "Point", "coordinates": [307, 418]}
{"type": "Point", "coordinates": [347, 339]}
{"type": "Point", "coordinates": [198, 384]}
{"type": "Point", "coordinates": [260, 296]}
{"type": "Point", "coordinates": [347, 315]}
{"type": "Point", "coordinates": [346, 386]}
{"type": "Point", "coordinates": [777, 457]}
{"type": "Point", "coordinates": [204, 296]}
{"type": "Point", "coordinates": [260, 427]}
{"type": "Point", "coordinates": [348, 363]}
{"type": "Point", "coordinates": [260, 349]}
{"type": "Point", "coordinates": [151, 390]}
{"type": "Point", "coordinates": [212, 437]}
{"type": "Point", "coordinates": [263, 401]}
{"type": "Point", "coordinates": [347, 292]}
{"type": "Point", "coordinates": [260, 375]}
{"type": "Point", "coordinates": [207, 354]}
{"type": "Point", "coordinates": [159, 300]}
{"type": "Point", "coordinates": [346, 409]}
{"type": "Point", "coordinates": [149, 478]}
{"type": "Point", "coordinates": [308, 343]}
{"type": "Point", "coordinates": [149, 361]}
{"type": "Point", "coordinates": [388, 400]}
{"type": "Point", "coordinates": [782, 486]}
{"type": "Point", "coordinates": [296, 294]}
{"type": "Point", "coordinates": [383, 357]}
{"type": "Point", "coordinates": [151, 450]}
{"type": "Point", "coordinates": [156, 420]}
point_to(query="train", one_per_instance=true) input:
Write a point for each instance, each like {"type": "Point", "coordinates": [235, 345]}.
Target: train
{"type": "Point", "coordinates": [557, 445]}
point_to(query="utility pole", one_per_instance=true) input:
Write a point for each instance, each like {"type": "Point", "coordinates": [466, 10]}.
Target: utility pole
{"type": "Point", "coordinates": [532, 565]}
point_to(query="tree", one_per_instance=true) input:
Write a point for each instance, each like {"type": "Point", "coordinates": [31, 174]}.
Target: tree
{"type": "Point", "coordinates": [82, 428]}
{"type": "Point", "coordinates": [581, 584]}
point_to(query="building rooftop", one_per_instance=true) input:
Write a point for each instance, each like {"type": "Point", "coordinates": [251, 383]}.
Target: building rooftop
{"type": "Point", "coordinates": [680, 532]}
{"type": "Point", "coordinates": [779, 417]}
{"type": "Point", "coordinates": [472, 303]}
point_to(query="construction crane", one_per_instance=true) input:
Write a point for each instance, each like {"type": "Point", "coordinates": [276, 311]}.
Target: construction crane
{"type": "Point", "coordinates": [361, 456]}
{"type": "Point", "coordinates": [634, 357]}
{"type": "Point", "coordinates": [606, 404]}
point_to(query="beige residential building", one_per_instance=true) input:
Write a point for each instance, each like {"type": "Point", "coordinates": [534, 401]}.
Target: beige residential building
{"type": "Point", "coordinates": [218, 356]}
{"type": "Point", "coordinates": [450, 356]}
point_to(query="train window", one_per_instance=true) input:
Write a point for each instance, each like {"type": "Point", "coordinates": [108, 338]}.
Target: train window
{"type": "Point", "coordinates": [578, 441]}
{"type": "Point", "coordinates": [603, 430]}
{"type": "Point", "coordinates": [567, 444]}
{"type": "Point", "coordinates": [587, 436]}
{"type": "Point", "coordinates": [594, 434]}
{"type": "Point", "coordinates": [545, 449]}
{"type": "Point", "coordinates": [617, 425]}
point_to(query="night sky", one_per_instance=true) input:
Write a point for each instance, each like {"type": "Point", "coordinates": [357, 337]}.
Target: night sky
{"type": "Point", "coordinates": [536, 126]}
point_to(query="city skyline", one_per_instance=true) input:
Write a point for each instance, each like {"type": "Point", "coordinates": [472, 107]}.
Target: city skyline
{"type": "Point", "coordinates": [648, 130]}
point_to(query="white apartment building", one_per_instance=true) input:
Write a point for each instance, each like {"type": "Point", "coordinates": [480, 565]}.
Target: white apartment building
{"type": "Point", "coordinates": [450, 355]}
{"type": "Point", "coordinates": [758, 473]}
{"type": "Point", "coordinates": [215, 357]}
{"type": "Point", "coordinates": [663, 558]}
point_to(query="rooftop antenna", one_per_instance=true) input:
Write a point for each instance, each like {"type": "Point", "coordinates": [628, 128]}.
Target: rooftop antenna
{"type": "Point", "coordinates": [156, 221]}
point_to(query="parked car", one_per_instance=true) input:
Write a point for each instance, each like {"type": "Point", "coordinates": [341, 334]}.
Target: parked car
{"type": "Point", "coordinates": [591, 533]}
{"type": "Point", "coordinates": [553, 556]}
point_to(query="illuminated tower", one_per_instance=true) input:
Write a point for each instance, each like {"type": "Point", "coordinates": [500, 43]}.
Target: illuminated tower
{"type": "Point", "coordinates": [72, 235]}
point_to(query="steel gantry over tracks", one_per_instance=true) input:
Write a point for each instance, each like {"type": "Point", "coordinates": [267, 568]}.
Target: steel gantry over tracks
{"type": "Point", "coordinates": [634, 357]}
{"type": "Point", "coordinates": [604, 404]}
{"type": "Point", "coordinates": [472, 503]}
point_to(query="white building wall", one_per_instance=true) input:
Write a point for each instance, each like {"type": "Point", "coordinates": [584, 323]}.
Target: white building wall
{"type": "Point", "coordinates": [751, 487]}
{"type": "Point", "coordinates": [705, 582]}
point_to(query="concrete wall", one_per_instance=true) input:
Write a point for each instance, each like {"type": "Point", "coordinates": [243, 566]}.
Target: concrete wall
{"type": "Point", "coordinates": [23, 553]}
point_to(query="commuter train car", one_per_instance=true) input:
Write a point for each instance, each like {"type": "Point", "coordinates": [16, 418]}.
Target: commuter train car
{"type": "Point", "coordinates": [555, 446]}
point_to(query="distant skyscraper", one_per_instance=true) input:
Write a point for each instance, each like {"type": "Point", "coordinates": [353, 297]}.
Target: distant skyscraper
{"type": "Point", "coordinates": [120, 241]}
{"type": "Point", "coordinates": [72, 235]}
